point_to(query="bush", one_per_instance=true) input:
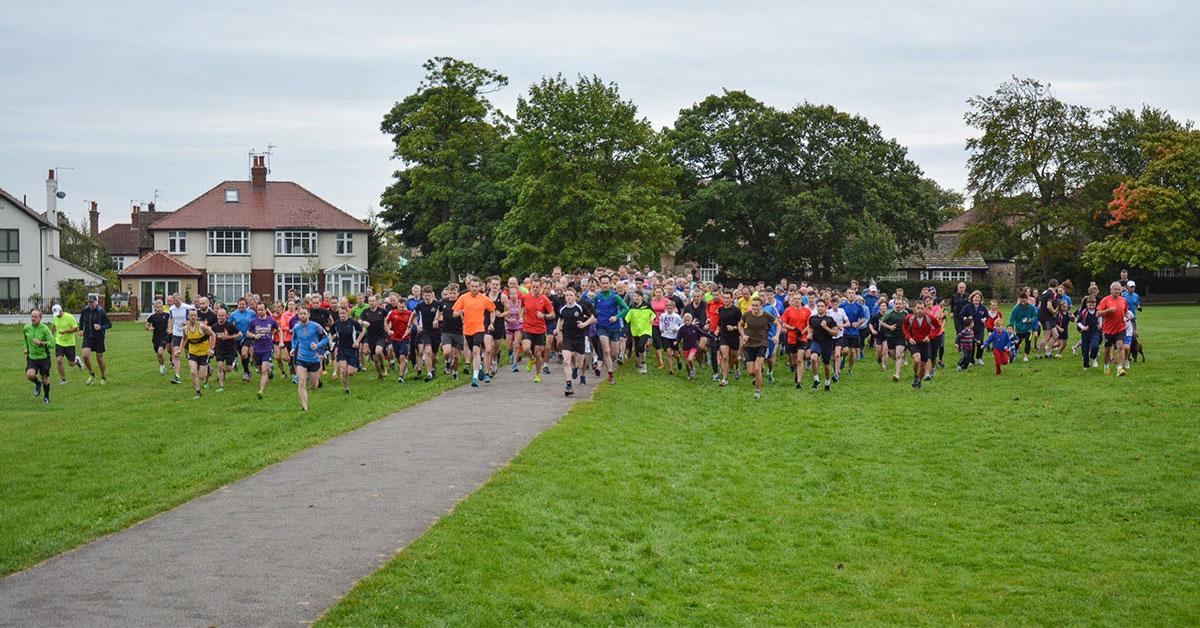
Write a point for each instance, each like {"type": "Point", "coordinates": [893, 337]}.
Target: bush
{"type": "Point", "coordinates": [72, 294]}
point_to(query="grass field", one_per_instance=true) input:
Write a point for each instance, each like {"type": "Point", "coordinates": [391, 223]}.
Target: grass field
{"type": "Point", "coordinates": [98, 459]}
{"type": "Point", "coordinates": [1045, 496]}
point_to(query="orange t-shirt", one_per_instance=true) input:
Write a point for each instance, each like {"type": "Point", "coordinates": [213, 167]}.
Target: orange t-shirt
{"type": "Point", "coordinates": [798, 318]}
{"type": "Point", "coordinates": [473, 308]}
{"type": "Point", "coordinates": [1114, 322]}
{"type": "Point", "coordinates": [532, 306]}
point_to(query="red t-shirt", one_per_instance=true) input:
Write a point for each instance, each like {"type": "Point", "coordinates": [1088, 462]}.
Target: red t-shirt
{"type": "Point", "coordinates": [713, 306]}
{"type": "Point", "coordinates": [798, 318]}
{"type": "Point", "coordinates": [532, 306]}
{"type": "Point", "coordinates": [1114, 322]}
{"type": "Point", "coordinates": [399, 322]}
{"type": "Point", "coordinates": [919, 328]}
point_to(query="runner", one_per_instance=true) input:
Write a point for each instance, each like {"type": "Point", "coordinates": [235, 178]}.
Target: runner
{"type": "Point", "coordinates": [470, 310]}
{"type": "Point", "coordinates": [1135, 305]}
{"type": "Point", "coordinates": [892, 323]}
{"type": "Point", "coordinates": [658, 303]}
{"type": "Point", "coordinates": [65, 327]}
{"type": "Point", "coordinates": [729, 315]}
{"type": "Point", "coordinates": [640, 318]}
{"type": "Point", "coordinates": [285, 319]}
{"type": "Point", "coordinates": [179, 315]}
{"type": "Point", "coordinates": [309, 341]}
{"type": "Point", "coordinates": [978, 313]}
{"type": "Point", "coordinates": [1001, 343]}
{"type": "Point", "coordinates": [511, 298]}
{"type": "Point", "coordinates": [841, 321]}
{"type": "Point", "coordinates": [1088, 323]}
{"type": "Point", "coordinates": [350, 334]}
{"type": "Point", "coordinates": [428, 336]}
{"type": "Point", "coordinates": [262, 332]}
{"type": "Point", "coordinates": [398, 326]}
{"type": "Point", "coordinates": [669, 323]}
{"type": "Point", "coordinates": [37, 339]}
{"type": "Point", "coordinates": [228, 339]}
{"type": "Point", "coordinates": [1047, 309]}
{"type": "Point", "coordinates": [374, 318]}
{"type": "Point", "coordinates": [755, 330]}
{"type": "Point", "coordinates": [242, 317]}
{"type": "Point", "coordinates": [822, 328]}
{"type": "Point", "coordinates": [937, 341]}
{"type": "Point", "coordinates": [1024, 318]}
{"type": "Point", "coordinates": [537, 310]}
{"type": "Point", "coordinates": [1114, 309]}
{"type": "Point", "coordinates": [918, 328]}
{"type": "Point", "coordinates": [493, 337]}
{"type": "Point", "coordinates": [159, 326]}
{"type": "Point", "coordinates": [199, 339]}
{"type": "Point", "coordinates": [856, 314]}
{"type": "Point", "coordinates": [795, 322]}
{"type": "Point", "coordinates": [610, 310]}
{"type": "Point", "coordinates": [95, 324]}
{"type": "Point", "coordinates": [574, 318]}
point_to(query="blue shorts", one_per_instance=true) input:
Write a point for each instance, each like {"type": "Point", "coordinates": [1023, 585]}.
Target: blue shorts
{"type": "Point", "coordinates": [400, 347]}
{"type": "Point", "coordinates": [349, 358]}
{"type": "Point", "coordinates": [259, 358]}
{"type": "Point", "coordinates": [613, 333]}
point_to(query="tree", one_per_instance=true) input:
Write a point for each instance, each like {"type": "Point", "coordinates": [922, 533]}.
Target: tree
{"type": "Point", "coordinates": [1027, 170]}
{"type": "Point", "coordinates": [593, 182]}
{"type": "Point", "coordinates": [792, 188]}
{"type": "Point", "coordinates": [870, 251]}
{"type": "Point", "coordinates": [1155, 219]}
{"type": "Point", "coordinates": [78, 247]}
{"type": "Point", "coordinates": [383, 253]}
{"type": "Point", "coordinates": [448, 199]}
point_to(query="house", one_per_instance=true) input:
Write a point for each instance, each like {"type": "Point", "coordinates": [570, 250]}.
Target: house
{"type": "Point", "coordinates": [941, 262]}
{"type": "Point", "coordinates": [260, 236]}
{"type": "Point", "coordinates": [30, 262]}
{"type": "Point", "coordinates": [125, 242]}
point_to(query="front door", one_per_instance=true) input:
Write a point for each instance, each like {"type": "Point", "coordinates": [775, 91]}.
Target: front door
{"type": "Point", "coordinates": [156, 289]}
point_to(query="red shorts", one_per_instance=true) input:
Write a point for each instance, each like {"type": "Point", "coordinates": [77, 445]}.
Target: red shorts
{"type": "Point", "coordinates": [691, 353]}
{"type": "Point", "coordinates": [1001, 356]}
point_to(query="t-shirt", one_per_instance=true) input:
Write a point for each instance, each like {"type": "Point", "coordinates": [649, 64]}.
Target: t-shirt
{"type": "Point", "coordinates": [640, 319]}
{"type": "Point", "coordinates": [1047, 297]}
{"type": "Point", "coordinates": [569, 317]}
{"type": "Point", "coordinates": [160, 325]}
{"type": "Point", "coordinates": [318, 315]}
{"type": "Point", "coordinates": [373, 318]}
{"type": "Point", "coordinates": [533, 305]}
{"type": "Point", "coordinates": [728, 315]}
{"type": "Point", "coordinates": [473, 308]}
{"type": "Point", "coordinates": [1134, 300]}
{"type": "Point", "coordinates": [208, 317]}
{"type": "Point", "coordinates": [450, 324]}
{"type": "Point", "coordinates": [796, 317]}
{"type": "Point", "coordinates": [347, 331]}
{"type": "Point", "coordinates": [357, 311]}
{"type": "Point", "coordinates": [241, 318]}
{"type": "Point", "coordinates": [669, 325]}
{"type": "Point", "coordinates": [1114, 322]}
{"type": "Point", "coordinates": [426, 313]}
{"type": "Point", "coordinates": [399, 319]}
{"type": "Point", "coordinates": [40, 332]}
{"type": "Point", "coordinates": [304, 335]}
{"type": "Point", "coordinates": [226, 346]}
{"type": "Point", "coordinates": [839, 319]}
{"type": "Point", "coordinates": [265, 327]}
{"type": "Point", "coordinates": [854, 313]}
{"type": "Point", "coordinates": [820, 335]}
{"type": "Point", "coordinates": [757, 328]}
{"type": "Point", "coordinates": [179, 314]}
{"type": "Point", "coordinates": [63, 322]}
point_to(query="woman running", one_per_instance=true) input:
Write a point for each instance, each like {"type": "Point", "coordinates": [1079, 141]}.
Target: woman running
{"type": "Point", "coordinates": [200, 341]}
{"type": "Point", "coordinates": [513, 321]}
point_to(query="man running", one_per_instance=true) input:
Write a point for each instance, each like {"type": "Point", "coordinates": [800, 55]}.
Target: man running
{"type": "Point", "coordinates": [470, 309]}
{"type": "Point", "coordinates": [95, 324]}
{"type": "Point", "coordinates": [610, 310]}
{"type": "Point", "coordinates": [398, 327]}
{"type": "Point", "coordinates": [350, 334]}
{"type": "Point", "coordinates": [574, 317]}
{"type": "Point", "coordinates": [537, 310]}
{"type": "Point", "coordinates": [309, 342]}
{"type": "Point", "coordinates": [794, 321]}
{"type": "Point", "coordinates": [374, 319]}
{"type": "Point", "coordinates": [428, 338]}
{"type": "Point", "coordinates": [729, 315]}
{"type": "Point", "coordinates": [242, 317]}
{"type": "Point", "coordinates": [227, 338]}
{"type": "Point", "coordinates": [64, 327]}
{"type": "Point", "coordinates": [179, 315]}
{"type": "Point", "coordinates": [159, 326]}
{"type": "Point", "coordinates": [1112, 310]}
{"type": "Point", "coordinates": [755, 330]}
{"type": "Point", "coordinates": [199, 340]}
{"type": "Point", "coordinates": [823, 328]}
{"type": "Point", "coordinates": [37, 339]}
{"type": "Point", "coordinates": [919, 328]}
{"type": "Point", "coordinates": [452, 331]}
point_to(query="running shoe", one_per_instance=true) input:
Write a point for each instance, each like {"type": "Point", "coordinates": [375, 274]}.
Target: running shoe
{"type": "Point", "coordinates": [516, 367]}
{"type": "Point", "coordinates": [545, 370]}
{"type": "Point", "coordinates": [92, 379]}
{"type": "Point", "coordinates": [716, 377]}
{"type": "Point", "coordinates": [916, 382]}
{"type": "Point", "coordinates": [196, 396]}
{"type": "Point", "coordinates": [826, 387]}
{"type": "Point", "coordinates": [45, 400]}
{"type": "Point", "coordinates": [723, 383]}
{"type": "Point", "coordinates": [835, 378]}
{"type": "Point", "coordinates": [487, 379]}
{"type": "Point", "coordinates": [737, 373]}
{"type": "Point", "coordinates": [429, 377]}
{"type": "Point", "coordinates": [583, 380]}
{"type": "Point", "coordinates": [537, 379]}
{"type": "Point", "coordinates": [37, 388]}
{"type": "Point", "coordinates": [260, 395]}
{"type": "Point", "coordinates": [346, 391]}
{"type": "Point", "coordinates": [62, 382]}
{"type": "Point", "coordinates": [596, 369]}
{"type": "Point", "coordinates": [528, 366]}
{"type": "Point", "coordinates": [1095, 364]}
{"type": "Point", "coordinates": [205, 385]}
{"type": "Point", "coordinates": [220, 389]}
{"type": "Point", "coordinates": [1025, 359]}
{"type": "Point", "coordinates": [174, 380]}
{"type": "Point", "coordinates": [611, 379]}
{"type": "Point", "coordinates": [895, 378]}
{"type": "Point", "coordinates": [758, 394]}
{"type": "Point", "coordinates": [162, 369]}
{"type": "Point", "coordinates": [816, 384]}
{"type": "Point", "coordinates": [474, 383]}
{"type": "Point", "coordinates": [770, 377]}
{"type": "Point", "coordinates": [295, 379]}
{"type": "Point", "coordinates": [79, 363]}
{"type": "Point", "coordinates": [799, 385]}
{"type": "Point", "coordinates": [245, 377]}
{"type": "Point", "coordinates": [568, 391]}
{"type": "Point", "coordinates": [400, 380]}
{"type": "Point", "coordinates": [1121, 371]}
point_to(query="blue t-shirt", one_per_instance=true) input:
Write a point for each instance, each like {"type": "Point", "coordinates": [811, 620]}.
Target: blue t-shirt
{"type": "Point", "coordinates": [609, 304]}
{"type": "Point", "coordinates": [1134, 300]}
{"type": "Point", "coordinates": [855, 313]}
{"type": "Point", "coordinates": [872, 302]}
{"type": "Point", "coordinates": [242, 318]}
{"type": "Point", "coordinates": [303, 336]}
{"type": "Point", "coordinates": [770, 309]}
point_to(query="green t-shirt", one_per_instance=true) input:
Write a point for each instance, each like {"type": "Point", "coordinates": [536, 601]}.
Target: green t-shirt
{"type": "Point", "coordinates": [358, 309]}
{"type": "Point", "coordinates": [64, 321]}
{"type": "Point", "coordinates": [41, 332]}
{"type": "Point", "coordinates": [640, 319]}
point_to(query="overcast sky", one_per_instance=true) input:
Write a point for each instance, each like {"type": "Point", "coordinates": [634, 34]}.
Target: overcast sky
{"type": "Point", "coordinates": [138, 96]}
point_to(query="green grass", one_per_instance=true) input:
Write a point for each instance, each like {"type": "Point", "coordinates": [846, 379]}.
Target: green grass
{"type": "Point", "coordinates": [98, 459]}
{"type": "Point", "coordinates": [1045, 496]}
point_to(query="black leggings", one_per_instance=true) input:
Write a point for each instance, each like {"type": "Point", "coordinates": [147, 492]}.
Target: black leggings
{"type": "Point", "coordinates": [639, 345]}
{"type": "Point", "coordinates": [1022, 337]}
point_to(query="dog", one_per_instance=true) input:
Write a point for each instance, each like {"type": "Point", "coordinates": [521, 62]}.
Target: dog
{"type": "Point", "coordinates": [1136, 349]}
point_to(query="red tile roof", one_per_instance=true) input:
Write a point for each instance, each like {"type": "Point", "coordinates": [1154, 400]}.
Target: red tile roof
{"type": "Point", "coordinates": [281, 205]}
{"type": "Point", "coordinates": [120, 239]}
{"type": "Point", "coordinates": [159, 264]}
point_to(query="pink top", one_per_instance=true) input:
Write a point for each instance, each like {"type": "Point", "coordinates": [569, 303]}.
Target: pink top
{"type": "Point", "coordinates": [659, 306]}
{"type": "Point", "coordinates": [512, 311]}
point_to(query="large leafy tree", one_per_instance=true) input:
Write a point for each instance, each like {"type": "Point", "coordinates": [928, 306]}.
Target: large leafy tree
{"type": "Point", "coordinates": [1154, 220]}
{"type": "Point", "coordinates": [593, 181]}
{"type": "Point", "coordinates": [768, 193]}
{"type": "Point", "coordinates": [448, 198]}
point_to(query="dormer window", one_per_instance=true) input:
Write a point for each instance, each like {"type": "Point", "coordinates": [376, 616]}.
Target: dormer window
{"type": "Point", "coordinates": [231, 196]}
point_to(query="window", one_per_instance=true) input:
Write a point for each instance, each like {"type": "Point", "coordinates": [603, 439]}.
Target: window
{"type": "Point", "coordinates": [157, 289]}
{"type": "Point", "coordinates": [292, 281]}
{"type": "Point", "coordinates": [228, 287]}
{"type": "Point", "coordinates": [10, 294]}
{"type": "Point", "coordinates": [177, 242]}
{"type": "Point", "coordinates": [924, 274]}
{"type": "Point", "coordinates": [295, 242]}
{"type": "Point", "coordinates": [10, 246]}
{"type": "Point", "coordinates": [1168, 272]}
{"type": "Point", "coordinates": [898, 275]}
{"type": "Point", "coordinates": [231, 196]}
{"type": "Point", "coordinates": [118, 262]}
{"type": "Point", "coordinates": [346, 284]}
{"type": "Point", "coordinates": [228, 242]}
{"type": "Point", "coordinates": [345, 243]}
{"type": "Point", "coordinates": [952, 275]}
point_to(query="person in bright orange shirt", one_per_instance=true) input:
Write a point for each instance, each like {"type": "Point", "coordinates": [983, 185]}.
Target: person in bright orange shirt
{"type": "Point", "coordinates": [472, 307]}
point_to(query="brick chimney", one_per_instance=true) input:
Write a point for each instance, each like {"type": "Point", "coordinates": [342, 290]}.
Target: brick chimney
{"type": "Point", "coordinates": [258, 173]}
{"type": "Point", "coordinates": [94, 220]}
{"type": "Point", "coordinates": [135, 217]}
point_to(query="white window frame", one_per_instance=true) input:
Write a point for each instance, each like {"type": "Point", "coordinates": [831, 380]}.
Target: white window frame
{"type": "Point", "coordinates": [952, 275]}
{"type": "Point", "coordinates": [344, 243]}
{"type": "Point", "coordinates": [358, 283]}
{"type": "Point", "coordinates": [228, 287]}
{"type": "Point", "coordinates": [896, 275]}
{"type": "Point", "coordinates": [231, 196]}
{"type": "Point", "coordinates": [924, 275]}
{"type": "Point", "coordinates": [228, 242]}
{"type": "Point", "coordinates": [286, 242]}
{"type": "Point", "coordinates": [292, 281]}
{"type": "Point", "coordinates": [118, 262]}
{"type": "Point", "coordinates": [177, 242]}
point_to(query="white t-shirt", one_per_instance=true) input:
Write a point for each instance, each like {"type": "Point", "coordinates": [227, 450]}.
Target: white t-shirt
{"type": "Point", "coordinates": [669, 324]}
{"type": "Point", "coordinates": [839, 317]}
{"type": "Point", "coordinates": [179, 314]}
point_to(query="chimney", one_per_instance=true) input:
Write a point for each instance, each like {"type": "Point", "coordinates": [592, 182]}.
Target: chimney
{"type": "Point", "coordinates": [150, 207]}
{"type": "Point", "coordinates": [258, 173]}
{"type": "Point", "coordinates": [135, 218]}
{"type": "Point", "coordinates": [94, 220]}
{"type": "Point", "coordinates": [52, 212]}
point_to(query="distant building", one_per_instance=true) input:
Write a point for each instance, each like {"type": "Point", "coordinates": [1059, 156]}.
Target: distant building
{"type": "Point", "coordinates": [940, 261]}
{"type": "Point", "coordinates": [125, 242]}
{"type": "Point", "coordinates": [259, 236]}
{"type": "Point", "coordinates": [30, 262]}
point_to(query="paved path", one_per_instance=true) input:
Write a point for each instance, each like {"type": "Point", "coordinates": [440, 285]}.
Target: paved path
{"type": "Point", "coordinates": [281, 546]}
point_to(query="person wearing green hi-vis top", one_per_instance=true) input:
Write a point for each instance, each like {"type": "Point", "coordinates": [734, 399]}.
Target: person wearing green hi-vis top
{"type": "Point", "coordinates": [640, 317]}
{"type": "Point", "coordinates": [37, 340]}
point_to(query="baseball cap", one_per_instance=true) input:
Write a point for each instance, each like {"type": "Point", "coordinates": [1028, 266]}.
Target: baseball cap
{"type": "Point", "coordinates": [92, 298]}
{"type": "Point", "coordinates": [872, 288]}
{"type": "Point", "coordinates": [1131, 284]}
{"type": "Point", "coordinates": [57, 309]}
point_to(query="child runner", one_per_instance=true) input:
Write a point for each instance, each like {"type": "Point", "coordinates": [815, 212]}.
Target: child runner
{"type": "Point", "coordinates": [1089, 329]}
{"type": "Point", "coordinates": [1000, 341]}
{"type": "Point", "coordinates": [823, 330]}
{"type": "Point", "coordinates": [640, 317]}
{"type": "Point", "coordinates": [966, 344]}
{"type": "Point", "coordinates": [669, 323]}
{"type": "Point", "coordinates": [574, 318]}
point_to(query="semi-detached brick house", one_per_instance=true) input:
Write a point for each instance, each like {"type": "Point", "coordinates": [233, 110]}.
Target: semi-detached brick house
{"type": "Point", "coordinates": [261, 236]}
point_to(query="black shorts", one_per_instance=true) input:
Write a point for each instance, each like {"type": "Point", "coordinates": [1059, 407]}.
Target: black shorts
{"type": "Point", "coordinates": [176, 341]}
{"type": "Point", "coordinates": [429, 338]}
{"type": "Point", "coordinates": [733, 342]}
{"type": "Point", "coordinates": [476, 340]}
{"type": "Point", "coordinates": [754, 353]}
{"type": "Point", "coordinates": [894, 341]}
{"type": "Point", "coordinates": [854, 342]}
{"type": "Point", "coordinates": [1046, 324]}
{"type": "Point", "coordinates": [267, 356]}
{"type": "Point", "coordinates": [65, 352]}
{"type": "Point", "coordinates": [200, 360]}
{"type": "Point", "coordinates": [574, 345]}
{"type": "Point", "coordinates": [839, 341]}
{"type": "Point", "coordinates": [228, 358]}
{"type": "Point", "coordinates": [349, 357]}
{"type": "Point", "coordinates": [496, 331]}
{"type": "Point", "coordinates": [670, 344]}
{"type": "Point", "coordinates": [455, 341]}
{"type": "Point", "coordinates": [376, 344]}
{"type": "Point", "coordinates": [311, 367]}
{"type": "Point", "coordinates": [824, 350]}
{"type": "Point", "coordinates": [246, 343]}
{"type": "Point", "coordinates": [41, 366]}
{"type": "Point", "coordinates": [1111, 340]}
{"type": "Point", "coordinates": [920, 350]}
{"type": "Point", "coordinates": [160, 343]}
{"type": "Point", "coordinates": [536, 340]}
{"type": "Point", "coordinates": [656, 337]}
{"type": "Point", "coordinates": [95, 343]}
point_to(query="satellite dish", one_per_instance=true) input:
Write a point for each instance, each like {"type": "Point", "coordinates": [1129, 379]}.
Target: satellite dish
{"type": "Point", "coordinates": [61, 194]}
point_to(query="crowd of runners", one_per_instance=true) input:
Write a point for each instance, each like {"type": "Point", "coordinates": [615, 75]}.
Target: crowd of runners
{"type": "Point", "coordinates": [589, 323]}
